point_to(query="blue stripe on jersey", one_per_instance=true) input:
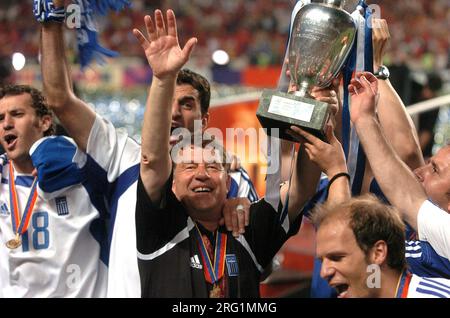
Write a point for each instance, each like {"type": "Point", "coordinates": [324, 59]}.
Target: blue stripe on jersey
{"type": "Point", "coordinates": [430, 292]}
{"type": "Point", "coordinates": [98, 188]}
{"type": "Point", "coordinates": [412, 243]}
{"type": "Point", "coordinates": [24, 181]}
{"type": "Point", "coordinates": [425, 262]}
{"type": "Point", "coordinates": [122, 183]}
{"type": "Point", "coordinates": [252, 194]}
{"type": "Point", "coordinates": [244, 174]}
{"type": "Point", "coordinates": [436, 288]}
{"type": "Point", "coordinates": [234, 188]}
{"type": "Point", "coordinates": [446, 288]}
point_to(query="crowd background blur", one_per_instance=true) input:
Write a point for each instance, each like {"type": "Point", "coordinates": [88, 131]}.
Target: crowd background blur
{"type": "Point", "coordinates": [247, 39]}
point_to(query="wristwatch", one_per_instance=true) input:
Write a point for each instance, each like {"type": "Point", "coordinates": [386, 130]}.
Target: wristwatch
{"type": "Point", "coordinates": [382, 73]}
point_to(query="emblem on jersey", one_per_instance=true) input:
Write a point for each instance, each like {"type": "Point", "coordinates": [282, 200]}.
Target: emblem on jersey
{"type": "Point", "coordinates": [61, 206]}
{"type": "Point", "coordinates": [4, 209]}
{"type": "Point", "coordinates": [195, 262]}
{"type": "Point", "coordinates": [232, 265]}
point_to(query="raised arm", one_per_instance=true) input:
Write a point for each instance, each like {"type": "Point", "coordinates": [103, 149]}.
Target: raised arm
{"type": "Point", "coordinates": [75, 115]}
{"type": "Point", "coordinates": [396, 180]}
{"type": "Point", "coordinates": [396, 123]}
{"type": "Point", "coordinates": [306, 173]}
{"type": "Point", "coordinates": [166, 58]}
{"type": "Point", "coordinates": [331, 160]}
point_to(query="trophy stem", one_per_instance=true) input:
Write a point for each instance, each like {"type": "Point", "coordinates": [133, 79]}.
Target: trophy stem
{"type": "Point", "coordinates": [303, 90]}
{"type": "Point", "coordinates": [334, 3]}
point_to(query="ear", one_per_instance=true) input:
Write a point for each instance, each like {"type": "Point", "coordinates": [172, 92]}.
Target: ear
{"type": "Point", "coordinates": [46, 122]}
{"type": "Point", "coordinates": [205, 121]}
{"type": "Point", "coordinates": [379, 253]}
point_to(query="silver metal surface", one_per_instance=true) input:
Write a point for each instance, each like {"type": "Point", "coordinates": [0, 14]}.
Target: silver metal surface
{"type": "Point", "coordinates": [349, 5]}
{"type": "Point", "coordinates": [321, 39]}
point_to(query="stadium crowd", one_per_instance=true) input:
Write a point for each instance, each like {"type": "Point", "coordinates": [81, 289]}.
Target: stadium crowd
{"type": "Point", "coordinates": [252, 32]}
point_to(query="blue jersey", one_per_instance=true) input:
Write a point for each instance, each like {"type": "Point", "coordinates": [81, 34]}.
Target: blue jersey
{"type": "Point", "coordinates": [424, 261]}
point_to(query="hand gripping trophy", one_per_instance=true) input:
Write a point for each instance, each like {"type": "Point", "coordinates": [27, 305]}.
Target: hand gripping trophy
{"type": "Point", "coordinates": [321, 40]}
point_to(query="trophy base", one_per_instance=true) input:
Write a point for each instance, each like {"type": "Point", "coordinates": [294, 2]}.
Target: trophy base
{"type": "Point", "coordinates": [281, 110]}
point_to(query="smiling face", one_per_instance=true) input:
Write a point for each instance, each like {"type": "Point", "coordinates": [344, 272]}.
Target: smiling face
{"type": "Point", "coordinates": [344, 264]}
{"type": "Point", "coordinates": [20, 127]}
{"type": "Point", "coordinates": [201, 185]}
{"type": "Point", "coordinates": [435, 178]}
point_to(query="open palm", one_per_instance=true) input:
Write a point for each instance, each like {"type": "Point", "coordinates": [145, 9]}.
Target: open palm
{"type": "Point", "coordinates": [162, 49]}
{"type": "Point", "coordinates": [363, 91]}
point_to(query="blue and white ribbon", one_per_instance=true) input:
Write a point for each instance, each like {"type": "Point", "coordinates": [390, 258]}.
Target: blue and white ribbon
{"type": "Point", "coordinates": [89, 48]}
{"type": "Point", "coordinates": [361, 59]}
{"type": "Point", "coordinates": [45, 10]}
{"type": "Point", "coordinates": [103, 6]}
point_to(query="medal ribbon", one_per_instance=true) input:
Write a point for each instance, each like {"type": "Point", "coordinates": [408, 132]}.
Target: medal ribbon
{"type": "Point", "coordinates": [403, 286]}
{"type": "Point", "coordinates": [213, 274]}
{"type": "Point", "coordinates": [20, 225]}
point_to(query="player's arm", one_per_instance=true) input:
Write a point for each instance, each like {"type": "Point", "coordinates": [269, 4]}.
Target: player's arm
{"type": "Point", "coordinates": [331, 160]}
{"type": "Point", "coordinates": [166, 58]}
{"type": "Point", "coordinates": [396, 123]}
{"type": "Point", "coordinates": [75, 115]}
{"type": "Point", "coordinates": [395, 178]}
{"type": "Point", "coordinates": [306, 173]}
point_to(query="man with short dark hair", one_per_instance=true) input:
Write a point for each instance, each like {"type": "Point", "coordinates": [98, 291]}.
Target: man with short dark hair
{"type": "Point", "coordinates": [113, 157]}
{"type": "Point", "coordinates": [182, 250]}
{"type": "Point", "coordinates": [50, 245]}
{"type": "Point", "coordinates": [361, 245]}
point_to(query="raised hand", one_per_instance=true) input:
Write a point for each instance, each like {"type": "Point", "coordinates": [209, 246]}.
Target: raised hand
{"type": "Point", "coordinates": [327, 95]}
{"type": "Point", "coordinates": [328, 156]}
{"type": "Point", "coordinates": [380, 40]}
{"type": "Point", "coordinates": [162, 49]}
{"type": "Point", "coordinates": [364, 93]}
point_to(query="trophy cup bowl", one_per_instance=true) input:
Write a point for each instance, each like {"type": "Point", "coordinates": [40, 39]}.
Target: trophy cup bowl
{"type": "Point", "coordinates": [321, 40]}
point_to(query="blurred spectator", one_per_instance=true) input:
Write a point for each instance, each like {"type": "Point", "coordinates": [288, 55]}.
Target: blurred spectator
{"type": "Point", "coordinates": [5, 70]}
{"type": "Point", "coordinates": [427, 120]}
{"type": "Point", "coordinates": [253, 30]}
{"type": "Point", "coordinates": [5, 77]}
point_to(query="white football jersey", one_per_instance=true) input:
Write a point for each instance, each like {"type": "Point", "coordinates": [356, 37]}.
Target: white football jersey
{"type": "Point", "coordinates": [422, 287]}
{"type": "Point", "coordinates": [113, 162]}
{"type": "Point", "coordinates": [60, 252]}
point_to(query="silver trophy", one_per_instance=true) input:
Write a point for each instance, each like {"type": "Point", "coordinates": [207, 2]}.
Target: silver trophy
{"type": "Point", "coordinates": [321, 39]}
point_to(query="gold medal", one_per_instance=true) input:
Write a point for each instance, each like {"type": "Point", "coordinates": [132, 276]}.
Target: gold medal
{"type": "Point", "coordinates": [20, 224]}
{"type": "Point", "coordinates": [14, 243]}
{"type": "Point", "coordinates": [215, 292]}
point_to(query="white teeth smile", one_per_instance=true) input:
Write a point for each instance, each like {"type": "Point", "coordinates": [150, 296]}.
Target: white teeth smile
{"type": "Point", "coordinates": [200, 190]}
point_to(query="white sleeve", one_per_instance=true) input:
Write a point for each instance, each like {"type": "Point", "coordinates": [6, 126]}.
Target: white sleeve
{"type": "Point", "coordinates": [112, 150]}
{"type": "Point", "coordinates": [434, 227]}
